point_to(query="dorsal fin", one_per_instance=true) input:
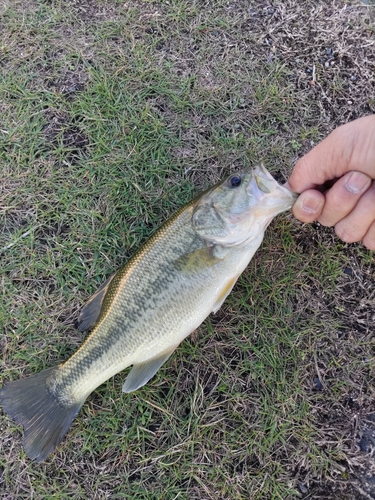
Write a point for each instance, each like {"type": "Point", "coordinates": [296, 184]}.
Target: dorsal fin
{"type": "Point", "coordinates": [91, 310]}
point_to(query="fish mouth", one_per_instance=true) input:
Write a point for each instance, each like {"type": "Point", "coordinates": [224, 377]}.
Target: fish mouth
{"type": "Point", "coordinates": [264, 188]}
{"type": "Point", "coordinates": [263, 179]}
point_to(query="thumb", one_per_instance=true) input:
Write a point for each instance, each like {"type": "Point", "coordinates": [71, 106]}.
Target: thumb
{"type": "Point", "coordinates": [349, 147]}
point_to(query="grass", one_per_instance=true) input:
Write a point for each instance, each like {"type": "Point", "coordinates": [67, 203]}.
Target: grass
{"type": "Point", "coordinates": [114, 115]}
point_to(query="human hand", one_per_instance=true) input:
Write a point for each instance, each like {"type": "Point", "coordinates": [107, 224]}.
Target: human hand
{"type": "Point", "coordinates": [345, 158]}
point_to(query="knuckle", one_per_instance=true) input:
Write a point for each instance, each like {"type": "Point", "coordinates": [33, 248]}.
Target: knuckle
{"type": "Point", "coordinates": [324, 220]}
{"type": "Point", "coordinates": [346, 234]}
{"type": "Point", "coordinates": [330, 215]}
{"type": "Point", "coordinates": [340, 200]}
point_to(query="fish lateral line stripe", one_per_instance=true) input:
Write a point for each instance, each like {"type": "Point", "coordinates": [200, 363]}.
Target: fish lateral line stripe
{"type": "Point", "coordinates": [166, 290]}
{"type": "Point", "coordinates": [115, 286]}
{"type": "Point", "coordinates": [133, 261]}
{"type": "Point", "coordinates": [118, 284]}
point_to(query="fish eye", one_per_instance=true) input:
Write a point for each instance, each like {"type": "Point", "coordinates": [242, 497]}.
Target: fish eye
{"type": "Point", "coordinates": [235, 181]}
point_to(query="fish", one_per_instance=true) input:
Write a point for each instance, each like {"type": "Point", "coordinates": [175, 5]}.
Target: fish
{"type": "Point", "coordinates": [140, 315]}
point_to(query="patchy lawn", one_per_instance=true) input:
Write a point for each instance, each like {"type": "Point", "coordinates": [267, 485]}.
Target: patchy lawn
{"type": "Point", "coordinates": [113, 115]}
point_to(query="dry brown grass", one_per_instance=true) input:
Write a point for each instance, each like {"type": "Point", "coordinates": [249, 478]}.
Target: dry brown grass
{"type": "Point", "coordinates": [113, 114]}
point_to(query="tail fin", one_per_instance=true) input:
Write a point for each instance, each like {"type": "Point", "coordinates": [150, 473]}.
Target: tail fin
{"type": "Point", "coordinates": [45, 420]}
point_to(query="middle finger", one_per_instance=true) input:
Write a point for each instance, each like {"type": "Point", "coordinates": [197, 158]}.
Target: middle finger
{"type": "Point", "coordinates": [343, 197]}
{"type": "Point", "coordinates": [355, 225]}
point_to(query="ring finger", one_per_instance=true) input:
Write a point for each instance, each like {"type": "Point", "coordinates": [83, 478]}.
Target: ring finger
{"type": "Point", "coordinates": [369, 238]}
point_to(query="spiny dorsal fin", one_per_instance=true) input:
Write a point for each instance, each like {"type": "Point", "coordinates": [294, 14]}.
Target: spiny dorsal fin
{"type": "Point", "coordinates": [141, 373]}
{"type": "Point", "coordinates": [91, 310]}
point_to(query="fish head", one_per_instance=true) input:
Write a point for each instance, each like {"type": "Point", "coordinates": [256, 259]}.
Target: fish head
{"type": "Point", "coordinates": [239, 209]}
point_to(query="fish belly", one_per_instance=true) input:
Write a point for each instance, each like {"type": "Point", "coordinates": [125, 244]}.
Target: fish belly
{"type": "Point", "coordinates": [149, 316]}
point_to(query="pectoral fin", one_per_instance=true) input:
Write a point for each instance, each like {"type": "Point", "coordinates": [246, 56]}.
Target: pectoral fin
{"type": "Point", "coordinates": [224, 293]}
{"type": "Point", "coordinates": [198, 260]}
{"type": "Point", "coordinates": [91, 310]}
{"type": "Point", "coordinates": [141, 373]}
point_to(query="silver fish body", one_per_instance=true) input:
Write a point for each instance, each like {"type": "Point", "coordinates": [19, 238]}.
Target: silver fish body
{"type": "Point", "coordinates": [138, 317]}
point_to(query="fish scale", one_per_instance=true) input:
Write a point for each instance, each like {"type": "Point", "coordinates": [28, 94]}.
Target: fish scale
{"type": "Point", "coordinates": [145, 285]}
{"type": "Point", "coordinates": [140, 315]}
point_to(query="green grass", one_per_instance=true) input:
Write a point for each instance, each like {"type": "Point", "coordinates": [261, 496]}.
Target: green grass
{"type": "Point", "coordinates": [113, 115]}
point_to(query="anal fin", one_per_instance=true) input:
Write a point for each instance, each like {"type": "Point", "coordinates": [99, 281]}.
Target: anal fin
{"type": "Point", "coordinates": [141, 373]}
{"type": "Point", "coordinates": [91, 310]}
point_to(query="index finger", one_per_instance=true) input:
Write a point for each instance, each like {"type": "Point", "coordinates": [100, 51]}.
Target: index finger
{"type": "Point", "coordinates": [349, 147]}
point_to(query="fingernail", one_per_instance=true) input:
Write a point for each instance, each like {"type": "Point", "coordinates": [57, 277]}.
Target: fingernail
{"type": "Point", "coordinates": [311, 205]}
{"type": "Point", "coordinates": [357, 182]}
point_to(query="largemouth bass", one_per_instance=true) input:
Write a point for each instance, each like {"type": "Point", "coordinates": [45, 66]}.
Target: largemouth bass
{"type": "Point", "coordinates": [140, 315]}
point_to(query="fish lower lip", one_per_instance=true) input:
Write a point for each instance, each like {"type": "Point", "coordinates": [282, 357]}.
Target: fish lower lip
{"type": "Point", "coordinates": [262, 183]}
